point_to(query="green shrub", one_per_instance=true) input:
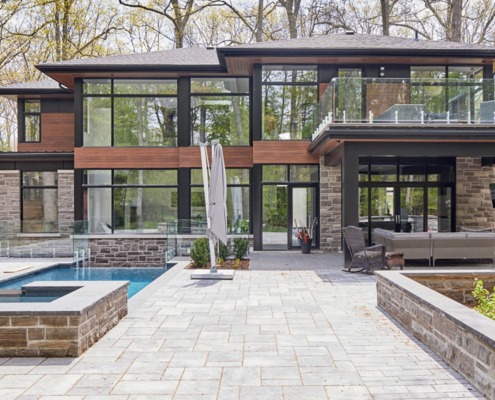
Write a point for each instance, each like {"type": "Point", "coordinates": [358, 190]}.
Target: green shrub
{"type": "Point", "coordinates": [223, 251]}
{"type": "Point", "coordinates": [241, 247]}
{"type": "Point", "coordinates": [486, 300]}
{"type": "Point", "coordinates": [200, 252]}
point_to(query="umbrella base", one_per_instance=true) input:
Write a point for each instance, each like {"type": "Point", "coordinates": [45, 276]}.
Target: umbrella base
{"type": "Point", "coordinates": [224, 275]}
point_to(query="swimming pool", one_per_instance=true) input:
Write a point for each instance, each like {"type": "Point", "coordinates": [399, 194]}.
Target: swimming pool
{"type": "Point", "coordinates": [138, 277]}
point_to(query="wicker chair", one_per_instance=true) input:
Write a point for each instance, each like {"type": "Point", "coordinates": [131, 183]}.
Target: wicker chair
{"type": "Point", "coordinates": [363, 258]}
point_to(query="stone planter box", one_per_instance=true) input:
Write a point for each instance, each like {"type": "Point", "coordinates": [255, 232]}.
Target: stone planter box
{"type": "Point", "coordinates": [65, 327]}
{"type": "Point", "coordinates": [463, 338]}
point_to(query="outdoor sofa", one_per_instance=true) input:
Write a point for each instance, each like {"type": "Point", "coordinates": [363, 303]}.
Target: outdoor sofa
{"type": "Point", "coordinates": [438, 245]}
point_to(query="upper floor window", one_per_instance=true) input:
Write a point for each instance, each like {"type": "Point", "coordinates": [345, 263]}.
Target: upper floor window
{"type": "Point", "coordinates": [130, 112]}
{"type": "Point", "coordinates": [289, 95]}
{"type": "Point", "coordinates": [220, 110]}
{"type": "Point", "coordinates": [32, 121]}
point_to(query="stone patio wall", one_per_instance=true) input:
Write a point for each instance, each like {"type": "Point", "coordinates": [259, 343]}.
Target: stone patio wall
{"type": "Point", "coordinates": [330, 207]}
{"type": "Point", "coordinates": [128, 252]}
{"type": "Point", "coordinates": [474, 204]}
{"type": "Point", "coordinates": [463, 338]}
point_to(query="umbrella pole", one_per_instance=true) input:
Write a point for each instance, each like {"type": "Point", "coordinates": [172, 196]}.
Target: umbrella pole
{"type": "Point", "coordinates": [204, 167]}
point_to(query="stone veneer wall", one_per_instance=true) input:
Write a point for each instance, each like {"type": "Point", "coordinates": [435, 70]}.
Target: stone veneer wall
{"type": "Point", "coordinates": [463, 338]}
{"type": "Point", "coordinates": [128, 252]}
{"type": "Point", "coordinates": [65, 201]}
{"type": "Point", "coordinates": [60, 334]}
{"type": "Point", "coordinates": [330, 207]}
{"type": "Point", "coordinates": [459, 289]}
{"type": "Point", "coordinates": [474, 204]}
{"type": "Point", "coordinates": [10, 202]}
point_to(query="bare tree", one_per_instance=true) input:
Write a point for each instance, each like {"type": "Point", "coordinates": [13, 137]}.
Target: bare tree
{"type": "Point", "coordinates": [177, 12]}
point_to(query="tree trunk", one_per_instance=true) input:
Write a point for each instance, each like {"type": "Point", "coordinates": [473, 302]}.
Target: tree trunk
{"type": "Point", "coordinates": [456, 21]}
{"type": "Point", "coordinates": [259, 23]}
{"type": "Point", "coordinates": [385, 6]}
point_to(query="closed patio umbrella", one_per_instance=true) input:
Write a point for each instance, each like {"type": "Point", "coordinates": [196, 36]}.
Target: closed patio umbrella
{"type": "Point", "coordinates": [215, 187]}
{"type": "Point", "coordinates": [217, 207]}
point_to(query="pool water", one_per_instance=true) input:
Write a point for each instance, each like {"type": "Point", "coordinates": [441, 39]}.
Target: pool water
{"type": "Point", "coordinates": [33, 297]}
{"type": "Point", "coordinates": [138, 277]}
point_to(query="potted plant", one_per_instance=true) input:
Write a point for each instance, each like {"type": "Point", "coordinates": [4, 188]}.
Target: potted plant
{"type": "Point", "coordinates": [305, 235]}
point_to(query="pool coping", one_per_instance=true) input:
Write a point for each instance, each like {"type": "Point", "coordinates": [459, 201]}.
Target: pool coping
{"type": "Point", "coordinates": [85, 295]}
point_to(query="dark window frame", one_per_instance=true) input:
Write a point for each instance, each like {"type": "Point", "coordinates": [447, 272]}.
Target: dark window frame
{"type": "Point", "coordinates": [23, 115]}
{"type": "Point", "coordinates": [264, 83]}
{"type": "Point", "coordinates": [247, 94]}
{"type": "Point", "coordinates": [30, 187]}
{"type": "Point", "coordinates": [112, 95]}
{"type": "Point", "coordinates": [113, 185]}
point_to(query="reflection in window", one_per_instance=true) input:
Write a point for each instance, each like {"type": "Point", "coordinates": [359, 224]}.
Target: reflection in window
{"type": "Point", "coordinates": [220, 110]}
{"type": "Point", "coordinates": [289, 95]}
{"type": "Point", "coordinates": [141, 199]}
{"type": "Point", "coordinates": [32, 121]}
{"type": "Point", "coordinates": [220, 117]}
{"type": "Point", "coordinates": [140, 112]}
{"type": "Point", "coordinates": [237, 199]}
{"type": "Point", "coordinates": [39, 202]}
{"type": "Point", "coordinates": [145, 121]}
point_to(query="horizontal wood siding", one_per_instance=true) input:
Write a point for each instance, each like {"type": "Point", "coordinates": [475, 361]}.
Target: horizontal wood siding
{"type": "Point", "coordinates": [264, 152]}
{"type": "Point", "coordinates": [125, 157]}
{"type": "Point", "coordinates": [283, 152]}
{"type": "Point", "coordinates": [235, 157]}
{"type": "Point", "coordinates": [147, 157]}
{"type": "Point", "coordinates": [57, 134]}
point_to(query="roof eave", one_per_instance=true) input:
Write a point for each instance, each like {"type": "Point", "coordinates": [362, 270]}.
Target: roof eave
{"type": "Point", "coordinates": [47, 68]}
{"type": "Point", "coordinates": [464, 53]}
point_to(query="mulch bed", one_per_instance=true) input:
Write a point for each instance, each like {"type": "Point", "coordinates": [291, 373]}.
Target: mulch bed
{"type": "Point", "coordinates": [227, 264]}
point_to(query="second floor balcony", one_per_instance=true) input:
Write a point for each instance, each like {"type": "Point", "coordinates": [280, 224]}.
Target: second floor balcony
{"type": "Point", "coordinates": [406, 101]}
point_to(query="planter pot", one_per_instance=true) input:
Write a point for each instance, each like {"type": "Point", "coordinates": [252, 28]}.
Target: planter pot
{"type": "Point", "coordinates": [306, 246]}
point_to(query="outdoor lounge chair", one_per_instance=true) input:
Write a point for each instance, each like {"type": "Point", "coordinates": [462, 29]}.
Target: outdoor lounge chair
{"type": "Point", "coordinates": [363, 258]}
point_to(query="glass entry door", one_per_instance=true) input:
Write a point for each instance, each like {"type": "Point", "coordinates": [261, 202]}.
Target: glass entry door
{"type": "Point", "coordinates": [303, 200]}
{"type": "Point", "coordinates": [284, 206]}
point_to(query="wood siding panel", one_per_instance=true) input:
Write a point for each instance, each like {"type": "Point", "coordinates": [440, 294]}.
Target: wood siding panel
{"type": "Point", "coordinates": [125, 157]}
{"type": "Point", "coordinates": [235, 157]}
{"type": "Point", "coordinates": [280, 152]}
{"type": "Point", "coordinates": [57, 134]}
{"type": "Point", "coordinates": [138, 157]}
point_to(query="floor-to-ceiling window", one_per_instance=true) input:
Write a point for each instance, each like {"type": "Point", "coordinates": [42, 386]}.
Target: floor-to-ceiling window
{"type": "Point", "coordinates": [130, 112]}
{"type": "Point", "coordinates": [130, 200]}
{"type": "Point", "coordinates": [289, 97]}
{"type": "Point", "coordinates": [406, 194]}
{"type": "Point", "coordinates": [220, 110]}
{"type": "Point", "coordinates": [238, 199]}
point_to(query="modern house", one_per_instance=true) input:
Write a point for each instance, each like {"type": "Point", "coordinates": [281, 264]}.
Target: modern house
{"type": "Point", "coordinates": [354, 129]}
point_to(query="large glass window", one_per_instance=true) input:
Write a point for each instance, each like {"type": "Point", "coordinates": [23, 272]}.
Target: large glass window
{"type": "Point", "coordinates": [237, 199]}
{"type": "Point", "coordinates": [39, 202]}
{"type": "Point", "coordinates": [127, 112]}
{"type": "Point", "coordinates": [32, 121]}
{"type": "Point", "coordinates": [289, 95]}
{"type": "Point", "coordinates": [220, 110]}
{"type": "Point", "coordinates": [129, 200]}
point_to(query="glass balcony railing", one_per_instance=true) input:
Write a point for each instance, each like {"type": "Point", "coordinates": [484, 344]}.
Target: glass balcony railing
{"type": "Point", "coordinates": [406, 101]}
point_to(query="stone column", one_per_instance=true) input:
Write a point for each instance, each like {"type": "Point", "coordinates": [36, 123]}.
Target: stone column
{"type": "Point", "coordinates": [330, 207]}
{"type": "Point", "coordinates": [65, 201]}
{"type": "Point", "coordinates": [474, 204]}
{"type": "Point", "coordinates": [10, 204]}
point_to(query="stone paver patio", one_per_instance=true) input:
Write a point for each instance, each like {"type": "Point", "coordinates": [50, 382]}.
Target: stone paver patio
{"type": "Point", "coordinates": [294, 327]}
